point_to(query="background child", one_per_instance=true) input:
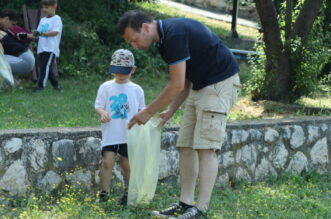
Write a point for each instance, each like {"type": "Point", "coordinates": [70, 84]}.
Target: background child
{"type": "Point", "coordinates": [49, 32]}
{"type": "Point", "coordinates": [117, 101]}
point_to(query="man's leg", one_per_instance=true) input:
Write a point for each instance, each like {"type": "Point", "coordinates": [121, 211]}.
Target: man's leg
{"type": "Point", "coordinates": [208, 168]}
{"type": "Point", "coordinates": [189, 169]}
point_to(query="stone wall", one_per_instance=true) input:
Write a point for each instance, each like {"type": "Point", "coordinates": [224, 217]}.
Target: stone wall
{"type": "Point", "coordinates": [47, 159]}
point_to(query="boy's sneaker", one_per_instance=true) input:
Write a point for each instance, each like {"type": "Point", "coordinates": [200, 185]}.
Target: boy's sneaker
{"type": "Point", "coordinates": [190, 213]}
{"type": "Point", "coordinates": [174, 210]}
{"type": "Point", "coordinates": [58, 88]}
{"type": "Point", "coordinates": [123, 200]}
{"type": "Point", "coordinates": [38, 89]}
{"type": "Point", "coordinates": [103, 196]}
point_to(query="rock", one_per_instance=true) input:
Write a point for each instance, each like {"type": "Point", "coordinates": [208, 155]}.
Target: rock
{"type": "Point", "coordinates": [64, 156]}
{"type": "Point", "coordinates": [286, 133]}
{"type": "Point", "coordinates": [35, 154]}
{"type": "Point", "coordinates": [168, 139]}
{"type": "Point", "coordinates": [223, 180]}
{"type": "Point", "coordinates": [89, 151]}
{"type": "Point", "coordinates": [15, 180]}
{"type": "Point", "coordinates": [169, 163]}
{"type": "Point", "coordinates": [279, 155]}
{"type": "Point", "coordinates": [13, 146]}
{"type": "Point", "coordinates": [49, 182]}
{"type": "Point", "coordinates": [255, 134]}
{"type": "Point", "coordinates": [264, 169]}
{"type": "Point", "coordinates": [247, 155]}
{"type": "Point", "coordinates": [239, 136]}
{"type": "Point", "coordinates": [242, 174]}
{"type": "Point", "coordinates": [298, 163]}
{"type": "Point", "coordinates": [227, 159]}
{"type": "Point", "coordinates": [320, 155]}
{"type": "Point", "coordinates": [313, 133]}
{"type": "Point", "coordinates": [80, 179]}
{"type": "Point", "coordinates": [271, 135]}
{"type": "Point", "coordinates": [298, 137]}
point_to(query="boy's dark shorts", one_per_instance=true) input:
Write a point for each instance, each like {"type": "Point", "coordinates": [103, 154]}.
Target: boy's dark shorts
{"type": "Point", "coordinates": [122, 149]}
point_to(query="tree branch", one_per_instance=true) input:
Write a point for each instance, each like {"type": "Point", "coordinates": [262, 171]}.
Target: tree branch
{"type": "Point", "coordinates": [306, 18]}
{"type": "Point", "coordinates": [288, 18]}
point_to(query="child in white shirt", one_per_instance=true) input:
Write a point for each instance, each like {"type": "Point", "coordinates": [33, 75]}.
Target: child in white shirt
{"type": "Point", "coordinates": [117, 102]}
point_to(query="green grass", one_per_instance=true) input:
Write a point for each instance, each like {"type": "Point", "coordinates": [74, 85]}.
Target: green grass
{"type": "Point", "coordinates": [72, 107]}
{"type": "Point", "coordinates": [304, 197]}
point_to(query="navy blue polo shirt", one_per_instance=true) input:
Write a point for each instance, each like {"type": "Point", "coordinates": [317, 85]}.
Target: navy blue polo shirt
{"type": "Point", "coordinates": [208, 60]}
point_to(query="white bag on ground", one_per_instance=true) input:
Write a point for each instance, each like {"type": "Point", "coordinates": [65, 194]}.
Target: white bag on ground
{"type": "Point", "coordinates": [6, 76]}
{"type": "Point", "coordinates": [144, 154]}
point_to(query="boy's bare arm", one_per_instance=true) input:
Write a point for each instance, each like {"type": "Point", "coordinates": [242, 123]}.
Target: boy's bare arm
{"type": "Point", "coordinates": [51, 33]}
{"type": "Point", "coordinates": [104, 115]}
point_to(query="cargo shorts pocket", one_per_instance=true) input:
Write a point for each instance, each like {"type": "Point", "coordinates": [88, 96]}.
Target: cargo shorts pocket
{"type": "Point", "coordinates": [213, 125]}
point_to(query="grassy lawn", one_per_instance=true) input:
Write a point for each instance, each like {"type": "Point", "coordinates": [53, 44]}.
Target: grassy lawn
{"type": "Point", "coordinates": [303, 197]}
{"type": "Point", "coordinates": [74, 106]}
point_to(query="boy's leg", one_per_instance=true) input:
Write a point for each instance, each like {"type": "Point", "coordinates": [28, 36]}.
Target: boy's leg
{"type": "Point", "coordinates": [123, 151]}
{"type": "Point", "coordinates": [126, 169]}
{"type": "Point", "coordinates": [108, 161]}
{"type": "Point", "coordinates": [53, 78]}
{"type": "Point", "coordinates": [46, 62]}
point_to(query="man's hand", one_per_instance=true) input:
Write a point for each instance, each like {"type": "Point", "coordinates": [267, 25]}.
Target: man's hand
{"type": "Point", "coordinates": [165, 116]}
{"type": "Point", "coordinates": [140, 118]}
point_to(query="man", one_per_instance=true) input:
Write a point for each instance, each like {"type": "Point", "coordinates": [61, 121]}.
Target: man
{"type": "Point", "coordinates": [203, 71]}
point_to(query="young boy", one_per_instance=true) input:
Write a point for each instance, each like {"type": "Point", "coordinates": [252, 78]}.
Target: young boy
{"type": "Point", "coordinates": [49, 32]}
{"type": "Point", "coordinates": [117, 101]}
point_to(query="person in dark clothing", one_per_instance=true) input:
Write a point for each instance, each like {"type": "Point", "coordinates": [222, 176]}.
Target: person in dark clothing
{"type": "Point", "coordinates": [203, 72]}
{"type": "Point", "coordinates": [19, 56]}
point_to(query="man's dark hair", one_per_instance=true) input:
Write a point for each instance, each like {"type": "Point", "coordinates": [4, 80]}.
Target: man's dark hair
{"type": "Point", "coordinates": [48, 2]}
{"type": "Point", "coordinates": [7, 12]}
{"type": "Point", "coordinates": [133, 19]}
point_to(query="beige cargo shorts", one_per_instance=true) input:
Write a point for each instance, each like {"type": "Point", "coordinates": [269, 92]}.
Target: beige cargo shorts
{"type": "Point", "coordinates": [205, 114]}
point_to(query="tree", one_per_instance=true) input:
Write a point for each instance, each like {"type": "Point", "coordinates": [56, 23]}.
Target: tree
{"type": "Point", "coordinates": [280, 71]}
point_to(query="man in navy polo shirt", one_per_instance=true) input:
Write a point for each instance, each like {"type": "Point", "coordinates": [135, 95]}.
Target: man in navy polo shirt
{"type": "Point", "coordinates": [203, 72]}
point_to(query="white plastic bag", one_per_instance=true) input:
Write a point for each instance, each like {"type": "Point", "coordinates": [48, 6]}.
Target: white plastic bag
{"type": "Point", "coordinates": [144, 155]}
{"type": "Point", "coordinates": [6, 76]}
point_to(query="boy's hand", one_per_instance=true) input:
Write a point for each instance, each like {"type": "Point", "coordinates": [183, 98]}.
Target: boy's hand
{"type": "Point", "coordinates": [36, 33]}
{"type": "Point", "coordinates": [104, 117]}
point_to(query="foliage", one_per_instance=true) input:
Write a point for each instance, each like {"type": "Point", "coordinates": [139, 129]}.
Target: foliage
{"type": "Point", "coordinates": [307, 56]}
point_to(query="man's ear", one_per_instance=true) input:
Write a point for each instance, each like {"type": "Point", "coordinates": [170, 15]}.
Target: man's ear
{"type": "Point", "coordinates": [145, 26]}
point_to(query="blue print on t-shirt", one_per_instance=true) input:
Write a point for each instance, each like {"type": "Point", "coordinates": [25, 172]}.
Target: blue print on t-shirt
{"type": "Point", "coordinates": [44, 28]}
{"type": "Point", "coordinates": [119, 106]}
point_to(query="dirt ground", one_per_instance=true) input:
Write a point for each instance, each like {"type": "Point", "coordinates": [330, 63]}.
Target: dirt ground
{"type": "Point", "coordinates": [248, 109]}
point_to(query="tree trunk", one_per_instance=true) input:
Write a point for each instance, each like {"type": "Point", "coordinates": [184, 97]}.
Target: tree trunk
{"type": "Point", "coordinates": [276, 85]}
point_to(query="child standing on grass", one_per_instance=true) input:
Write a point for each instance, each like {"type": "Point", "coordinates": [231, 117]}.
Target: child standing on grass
{"type": "Point", "coordinates": [49, 32]}
{"type": "Point", "coordinates": [116, 103]}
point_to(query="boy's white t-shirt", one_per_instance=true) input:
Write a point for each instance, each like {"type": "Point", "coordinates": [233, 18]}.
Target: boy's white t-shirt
{"type": "Point", "coordinates": [122, 102]}
{"type": "Point", "coordinates": [46, 43]}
